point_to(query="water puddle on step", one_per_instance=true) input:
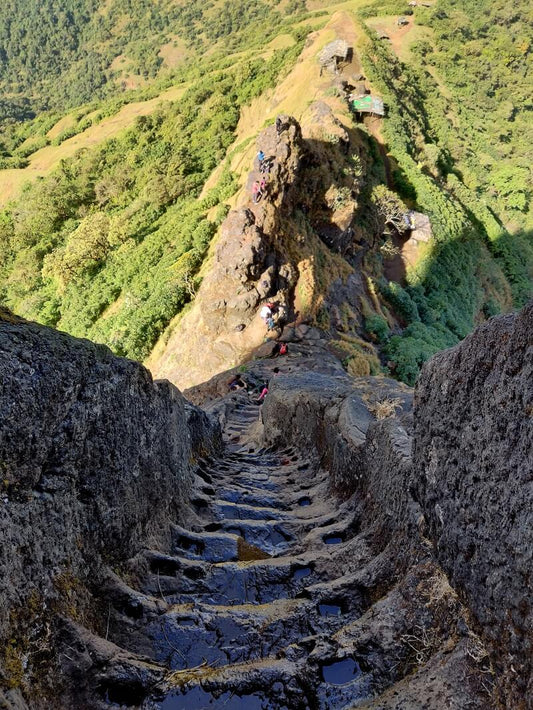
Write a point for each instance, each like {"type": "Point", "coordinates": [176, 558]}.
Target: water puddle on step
{"type": "Point", "coordinates": [332, 539]}
{"type": "Point", "coordinates": [341, 672]}
{"type": "Point", "coordinates": [198, 698]}
{"type": "Point", "coordinates": [301, 573]}
{"type": "Point", "coordinates": [213, 527]}
{"type": "Point", "coordinates": [329, 610]}
{"type": "Point", "coordinates": [128, 694]}
{"type": "Point", "coordinates": [303, 502]}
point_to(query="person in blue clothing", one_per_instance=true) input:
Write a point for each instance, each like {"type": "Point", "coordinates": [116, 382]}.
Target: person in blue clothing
{"type": "Point", "coordinates": [260, 158]}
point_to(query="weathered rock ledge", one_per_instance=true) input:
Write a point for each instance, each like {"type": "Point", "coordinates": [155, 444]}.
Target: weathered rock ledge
{"type": "Point", "coordinates": [99, 463]}
{"type": "Point", "coordinates": [360, 431]}
{"type": "Point", "coordinates": [95, 463]}
{"type": "Point", "coordinates": [473, 459]}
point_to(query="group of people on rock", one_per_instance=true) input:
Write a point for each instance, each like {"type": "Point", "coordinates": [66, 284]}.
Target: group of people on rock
{"type": "Point", "coordinates": [259, 187]}
{"type": "Point", "coordinates": [273, 314]}
{"type": "Point", "coordinates": [252, 385]}
{"type": "Point", "coordinates": [258, 190]}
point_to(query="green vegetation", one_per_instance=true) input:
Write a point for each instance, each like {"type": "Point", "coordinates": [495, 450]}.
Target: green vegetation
{"type": "Point", "coordinates": [59, 52]}
{"type": "Point", "coordinates": [483, 51]}
{"type": "Point", "coordinates": [459, 130]}
{"type": "Point", "coordinates": [377, 326]}
{"type": "Point", "coordinates": [109, 245]}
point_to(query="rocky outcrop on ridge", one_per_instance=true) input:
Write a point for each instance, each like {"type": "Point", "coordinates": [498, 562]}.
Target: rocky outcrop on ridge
{"type": "Point", "coordinates": [301, 246]}
{"type": "Point", "coordinates": [250, 264]}
{"type": "Point", "coordinates": [474, 469]}
{"type": "Point", "coordinates": [95, 463]}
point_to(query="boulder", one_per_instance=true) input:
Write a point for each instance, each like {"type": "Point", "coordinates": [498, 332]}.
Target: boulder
{"type": "Point", "coordinates": [473, 458]}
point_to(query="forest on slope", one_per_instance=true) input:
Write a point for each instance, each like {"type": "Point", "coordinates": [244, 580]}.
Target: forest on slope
{"type": "Point", "coordinates": [118, 230]}
{"type": "Point", "coordinates": [109, 245]}
{"type": "Point", "coordinates": [59, 53]}
{"type": "Point", "coordinates": [460, 132]}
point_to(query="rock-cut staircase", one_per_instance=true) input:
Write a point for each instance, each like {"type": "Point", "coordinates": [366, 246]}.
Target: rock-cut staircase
{"type": "Point", "coordinates": [243, 611]}
{"type": "Point", "coordinates": [277, 595]}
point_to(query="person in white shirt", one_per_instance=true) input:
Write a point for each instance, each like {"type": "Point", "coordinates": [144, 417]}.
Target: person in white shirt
{"type": "Point", "coordinates": [265, 313]}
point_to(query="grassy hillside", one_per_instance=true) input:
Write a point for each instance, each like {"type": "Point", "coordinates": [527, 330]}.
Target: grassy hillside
{"type": "Point", "coordinates": [459, 133]}
{"type": "Point", "coordinates": [57, 55]}
{"type": "Point", "coordinates": [63, 53]}
{"type": "Point", "coordinates": [126, 116]}
{"type": "Point", "coordinates": [109, 243]}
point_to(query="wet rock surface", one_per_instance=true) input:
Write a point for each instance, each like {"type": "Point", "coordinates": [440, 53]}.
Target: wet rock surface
{"type": "Point", "coordinates": [474, 468]}
{"type": "Point", "coordinates": [95, 461]}
{"type": "Point", "coordinates": [279, 594]}
{"type": "Point", "coordinates": [298, 576]}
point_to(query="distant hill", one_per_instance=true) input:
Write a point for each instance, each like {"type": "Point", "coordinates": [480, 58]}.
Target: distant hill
{"type": "Point", "coordinates": [58, 54]}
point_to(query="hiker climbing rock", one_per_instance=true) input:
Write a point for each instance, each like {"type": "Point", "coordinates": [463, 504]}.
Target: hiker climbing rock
{"type": "Point", "coordinates": [266, 312]}
{"type": "Point", "coordinates": [281, 314]}
{"type": "Point", "coordinates": [280, 348]}
{"type": "Point", "coordinates": [256, 192]}
{"type": "Point", "coordinates": [260, 159]}
{"type": "Point", "coordinates": [266, 165]}
{"type": "Point", "coordinates": [263, 394]}
{"type": "Point", "coordinates": [236, 383]}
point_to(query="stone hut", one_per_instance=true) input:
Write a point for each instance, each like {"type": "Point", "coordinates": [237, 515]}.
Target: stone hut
{"type": "Point", "coordinates": [333, 55]}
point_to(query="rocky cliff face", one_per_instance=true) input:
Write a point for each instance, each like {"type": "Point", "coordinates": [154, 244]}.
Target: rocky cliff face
{"type": "Point", "coordinates": [95, 463]}
{"type": "Point", "coordinates": [248, 266]}
{"type": "Point", "coordinates": [305, 558]}
{"type": "Point", "coordinates": [301, 246]}
{"type": "Point", "coordinates": [474, 469]}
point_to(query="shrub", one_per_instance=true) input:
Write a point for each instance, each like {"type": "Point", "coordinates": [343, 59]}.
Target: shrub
{"type": "Point", "coordinates": [377, 326]}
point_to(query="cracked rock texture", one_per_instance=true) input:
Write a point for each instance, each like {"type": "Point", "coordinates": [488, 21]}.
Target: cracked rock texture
{"type": "Point", "coordinates": [250, 264]}
{"type": "Point", "coordinates": [473, 459]}
{"type": "Point", "coordinates": [94, 460]}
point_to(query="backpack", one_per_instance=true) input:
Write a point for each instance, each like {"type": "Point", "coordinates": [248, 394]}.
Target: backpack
{"type": "Point", "coordinates": [283, 349]}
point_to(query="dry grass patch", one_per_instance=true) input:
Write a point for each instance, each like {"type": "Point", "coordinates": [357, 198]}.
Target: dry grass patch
{"type": "Point", "coordinates": [384, 408]}
{"type": "Point", "coordinates": [173, 52]}
{"type": "Point", "coordinates": [46, 159]}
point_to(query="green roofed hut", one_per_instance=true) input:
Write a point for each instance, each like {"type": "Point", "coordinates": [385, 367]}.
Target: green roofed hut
{"type": "Point", "coordinates": [372, 105]}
